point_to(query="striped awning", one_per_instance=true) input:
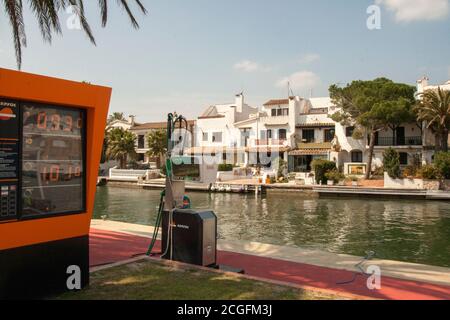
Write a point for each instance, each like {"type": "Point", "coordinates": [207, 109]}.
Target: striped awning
{"type": "Point", "coordinates": [267, 149]}
{"type": "Point", "coordinates": [309, 152]}
{"type": "Point", "coordinates": [213, 150]}
{"type": "Point", "coordinates": [316, 125]}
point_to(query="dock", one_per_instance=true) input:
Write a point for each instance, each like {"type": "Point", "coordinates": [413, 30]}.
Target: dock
{"type": "Point", "coordinates": [251, 186]}
{"type": "Point", "coordinates": [341, 191]}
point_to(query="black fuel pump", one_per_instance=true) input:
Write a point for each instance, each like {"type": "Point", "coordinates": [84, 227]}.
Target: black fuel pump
{"type": "Point", "coordinates": [187, 235]}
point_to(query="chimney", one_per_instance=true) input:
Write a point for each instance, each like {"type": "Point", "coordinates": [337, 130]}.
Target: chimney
{"type": "Point", "coordinates": [240, 102]}
{"type": "Point", "coordinates": [131, 119]}
{"type": "Point", "coordinates": [422, 84]}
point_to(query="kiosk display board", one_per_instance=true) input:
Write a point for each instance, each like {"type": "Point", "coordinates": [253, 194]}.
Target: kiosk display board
{"type": "Point", "coordinates": [51, 138]}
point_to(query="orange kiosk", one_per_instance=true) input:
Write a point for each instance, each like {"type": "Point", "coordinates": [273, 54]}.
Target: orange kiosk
{"type": "Point", "coordinates": [51, 135]}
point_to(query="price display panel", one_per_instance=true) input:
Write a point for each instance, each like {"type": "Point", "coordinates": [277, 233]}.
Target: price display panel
{"type": "Point", "coordinates": [42, 160]}
{"type": "Point", "coordinates": [53, 160]}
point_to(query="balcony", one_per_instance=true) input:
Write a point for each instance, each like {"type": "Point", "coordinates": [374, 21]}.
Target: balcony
{"type": "Point", "coordinates": [397, 141]}
{"type": "Point", "coordinates": [270, 142]}
{"type": "Point", "coordinates": [275, 120]}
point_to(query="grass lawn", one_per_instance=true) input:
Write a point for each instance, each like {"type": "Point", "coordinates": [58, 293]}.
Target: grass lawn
{"type": "Point", "coordinates": [152, 280]}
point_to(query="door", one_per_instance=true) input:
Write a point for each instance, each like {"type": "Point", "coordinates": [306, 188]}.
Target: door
{"type": "Point", "coordinates": [400, 134]}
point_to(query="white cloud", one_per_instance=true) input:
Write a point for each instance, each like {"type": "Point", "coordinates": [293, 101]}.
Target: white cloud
{"type": "Point", "coordinates": [309, 58]}
{"type": "Point", "coordinates": [417, 10]}
{"type": "Point", "coordinates": [250, 66]}
{"type": "Point", "coordinates": [300, 80]}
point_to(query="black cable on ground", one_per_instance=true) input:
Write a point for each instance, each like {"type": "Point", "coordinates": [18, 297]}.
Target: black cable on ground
{"type": "Point", "coordinates": [368, 257]}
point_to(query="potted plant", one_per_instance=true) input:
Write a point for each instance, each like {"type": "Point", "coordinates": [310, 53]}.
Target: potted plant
{"type": "Point", "coordinates": [354, 180]}
{"type": "Point", "coordinates": [334, 177]}
{"type": "Point", "coordinates": [430, 175]}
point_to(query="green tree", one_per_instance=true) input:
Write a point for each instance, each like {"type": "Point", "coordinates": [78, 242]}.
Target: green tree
{"type": "Point", "coordinates": [442, 163]}
{"type": "Point", "coordinates": [321, 168]}
{"type": "Point", "coordinates": [157, 144]}
{"type": "Point", "coordinates": [391, 163]}
{"type": "Point", "coordinates": [47, 15]}
{"type": "Point", "coordinates": [121, 146]}
{"type": "Point", "coordinates": [116, 116]}
{"type": "Point", "coordinates": [434, 110]}
{"type": "Point", "coordinates": [372, 106]}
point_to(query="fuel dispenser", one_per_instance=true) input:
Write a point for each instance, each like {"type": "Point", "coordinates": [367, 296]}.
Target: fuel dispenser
{"type": "Point", "coordinates": [51, 135]}
{"type": "Point", "coordinates": [187, 235]}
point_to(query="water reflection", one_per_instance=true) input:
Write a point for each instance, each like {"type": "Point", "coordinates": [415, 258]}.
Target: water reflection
{"type": "Point", "coordinates": [415, 231]}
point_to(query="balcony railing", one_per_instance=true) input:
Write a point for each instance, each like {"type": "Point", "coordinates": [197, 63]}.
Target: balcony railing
{"type": "Point", "coordinates": [270, 142]}
{"type": "Point", "coordinates": [397, 141]}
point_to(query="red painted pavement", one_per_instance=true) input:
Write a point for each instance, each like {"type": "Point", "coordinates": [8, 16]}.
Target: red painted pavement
{"type": "Point", "coordinates": [108, 247]}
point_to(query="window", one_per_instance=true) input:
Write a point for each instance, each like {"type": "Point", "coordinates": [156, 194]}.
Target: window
{"type": "Point", "coordinates": [282, 134]}
{"type": "Point", "coordinates": [357, 156]}
{"type": "Point", "coordinates": [245, 136]}
{"type": "Point", "coordinates": [205, 137]}
{"type": "Point", "coordinates": [349, 131]}
{"type": "Point", "coordinates": [329, 135]}
{"type": "Point", "coordinates": [308, 135]}
{"type": "Point", "coordinates": [141, 142]}
{"type": "Point", "coordinates": [403, 158]}
{"type": "Point", "coordinates": [263, 135]}
{"type": "Point", "coordinates": [217, 137]}
{"type": "Point", "coordinates": [280, 112]}
{"type": "Point", "coordinates": [269, 134]}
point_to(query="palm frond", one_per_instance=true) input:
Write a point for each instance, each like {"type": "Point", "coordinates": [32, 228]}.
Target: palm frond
{"type": "Point", "coordinates": [46, 13]}
{"type": "Point", "coordinates": [14, 10]}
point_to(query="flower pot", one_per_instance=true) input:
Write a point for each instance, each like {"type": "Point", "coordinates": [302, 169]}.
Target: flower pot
{"type": "Point", "coordinates": [354, 183]}
{"type": "Point", "coordinates": [330, 183]}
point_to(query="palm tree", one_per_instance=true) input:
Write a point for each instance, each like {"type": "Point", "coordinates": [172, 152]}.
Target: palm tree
{"type": "Point", "coordinates": [157, 144]}
{"type": "Point", "coordinates": [116, 116]}
{"type": "Point", "coordinates": [121, 146]}
{"type": "Point", "coordinates": [46, 12]}
{"type": "Point", "coordinates": [434, 110]}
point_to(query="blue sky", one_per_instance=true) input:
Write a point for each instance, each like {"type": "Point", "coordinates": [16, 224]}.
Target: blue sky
{"type": "Point", "coordinates": [190, 54]}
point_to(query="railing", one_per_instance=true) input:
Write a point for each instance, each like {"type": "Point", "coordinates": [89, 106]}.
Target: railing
{"type": "Point", "coordinates": [391, 141]}
{"type": "Point", "coordinates": [270, 142]}
{"type": "Point", "coordinates": [128, 175]}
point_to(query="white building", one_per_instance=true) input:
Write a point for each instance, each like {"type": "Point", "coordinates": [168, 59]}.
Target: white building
{"type": "Point", "coordinates": [142, 131]}
{"type": "Point", "coordinates": [301, 130]}
{"type": "Point", "coordinates": [123, 124]}
{"type": "Point", "coordinates": [216, 133]}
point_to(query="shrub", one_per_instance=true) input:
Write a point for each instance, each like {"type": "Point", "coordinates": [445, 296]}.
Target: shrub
{"type": "Point", "coordinates": [225, 167]}
{"type": "Point", "coordinates": [335, 176]}
{"type": "Point", "coordinates": [321, 167]}
{"type": "Point", "coordinates": [442, 163]}
{"type": "Point", "coordinates": [429, 172]}
{"type": "Point", "coordinates": [379, 171]}
{"type": "Point", "coordinates": [410, 172]}
{"type": "Point", "coordinates": [391, 163]}
{"type": "Point", "coordinates": [281, 166]}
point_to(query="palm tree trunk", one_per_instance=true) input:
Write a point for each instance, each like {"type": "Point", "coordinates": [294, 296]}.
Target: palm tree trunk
{"type": "Point", "coordinates": [438, 142]}
{"type": "Point", "coordinates": [444, 142]}
{"type": "Point", "coordinates": [371, 148]}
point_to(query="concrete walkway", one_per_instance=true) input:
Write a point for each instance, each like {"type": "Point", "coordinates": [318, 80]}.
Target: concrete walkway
{"type": "Point", "coordinates": [400, 280]}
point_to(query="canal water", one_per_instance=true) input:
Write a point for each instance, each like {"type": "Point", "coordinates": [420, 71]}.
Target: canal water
{"type": "Point", "coordinates": [405, 230]}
